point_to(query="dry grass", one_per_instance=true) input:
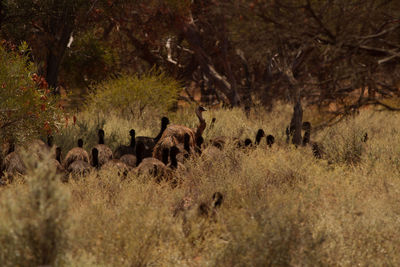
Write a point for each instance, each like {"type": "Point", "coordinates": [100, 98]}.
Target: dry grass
{"type": "Point", "coordinates": [281, 207]}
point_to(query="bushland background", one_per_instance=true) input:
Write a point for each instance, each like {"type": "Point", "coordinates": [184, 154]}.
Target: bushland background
{"type": "Point", "coordinates": [71, 67]}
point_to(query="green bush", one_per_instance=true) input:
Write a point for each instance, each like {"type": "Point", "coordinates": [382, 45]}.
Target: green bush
{"type": "Point", "coordinates": [26, 106]}
{"type": "Point", "coordinates": [88, 60]}
{"type": "Point", "coordinates": [135, 95]}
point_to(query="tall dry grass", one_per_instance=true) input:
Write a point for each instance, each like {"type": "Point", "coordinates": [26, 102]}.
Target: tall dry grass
{"type": "Point", "coordinates": [282, 207]}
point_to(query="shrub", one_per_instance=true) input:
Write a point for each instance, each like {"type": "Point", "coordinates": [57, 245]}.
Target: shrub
{"type": "Point", "coordinates": [89, 60]}
{"type": "Point", "coordinates": [344, 143]}
{"type": "Point", "coordinates": [32, 232]}
{"type": "Point", "coordinates": [26, 106]}
{"type": "Point", "coordinates": [135, 95]}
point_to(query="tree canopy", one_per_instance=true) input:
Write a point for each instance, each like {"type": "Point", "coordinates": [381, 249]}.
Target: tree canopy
{"type": "Point", "coordinates": [337, 55]}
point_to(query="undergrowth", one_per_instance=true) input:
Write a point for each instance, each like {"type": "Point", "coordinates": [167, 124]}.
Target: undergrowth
{"type": "Point", "coordinates": [282, 207]}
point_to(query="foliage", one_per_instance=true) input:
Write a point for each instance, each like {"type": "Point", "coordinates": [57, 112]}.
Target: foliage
{"type": "Point", "coordinates": [33, 233]}
{"type": "Point", "coordinates": [134, 95]}
{"type": "Point", "coordinates": [338, 51]}
{"type": "Point", "coordinates": [344, 145]}
{"type": "Point", "coordinates": [26, 106]}
{"type": "Point", "coordinates": [95, 59]}
{"type": "Point", "coordinates": [47, 26]}
{"type": "Point", "coordinates": [236, 52]}
{"type": "Point", "coordinates": [281, 206]}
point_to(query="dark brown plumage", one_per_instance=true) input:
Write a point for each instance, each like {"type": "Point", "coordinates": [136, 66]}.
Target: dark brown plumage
{"type": "Point", "coordinates": [211, 153]}
{"type": "Point", "coordinates": [184, 150]}
{"type": "Point", "coordinates": [57, 161]}
{"type": "Point", "coordinates": [289, 133]}
{"type": "Point", "coordinates": [248, 142]}
{"type": "Point", "coordinates": [116, 164]}
{"type": "Point", "coordinates": [174, 163]}
{"type": "Point", "coordinates": [217, 198]}
{"type": "Point", "coordinates": [75, 154]}
{"type": "Point", "coordinates": [79, 168]}
{"type": "Point", "coordinates": [364, 138]}
{"type": "Point", "coordinates": [13, 164]}
{"type": "Point", "coordinates": [260, 134]}
{"type": "Point", "coordinates": [175, 135]}
{"type": "Point", "coordinates": [206, 209]}
{"type": "Point", "coordinates": [212, 123]}
{"type": "Point", "coordinates": [151, 166]}
{"type": "Point", "coordinates": [95, 158]}
{"type": "Point", "coordinates": [316, 148]}
{"type": "Point", "coordinates": [38, 148]}
{"type": "Point", "coordinates": [105, 153]}
{"type": "Point", "coordinates": [270, 140]}
{"type": "Point", "coordinates": [209, 210]}
{"type": "Point", "coordinates": [129, 160]}
{"type": "Point", "coordinates": [130, 149]}
{"type": "Point", "coordinates": [220, 141]}
{"type": "Point", "coordinates": [150, 142]}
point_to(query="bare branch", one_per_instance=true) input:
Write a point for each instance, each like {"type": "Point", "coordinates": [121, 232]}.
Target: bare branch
{"type": "Point", "coordinates": [379, 34]}
{"type": "Point", "coordinates": [319, 21]}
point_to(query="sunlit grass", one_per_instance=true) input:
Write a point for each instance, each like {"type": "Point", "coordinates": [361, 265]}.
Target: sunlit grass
{"type": "Point", "coordinates": [281, 205]}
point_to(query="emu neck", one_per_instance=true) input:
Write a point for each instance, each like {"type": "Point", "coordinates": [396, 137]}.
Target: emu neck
{"type": "Point", "coordinates": [50, 141]}
{"type": "Point", "coordinates": [199, 115]}
{"type": "Point", "coordinates": [133, 141]}
{"type": "Point", "coordinates": [11, 148]}
{"type": "Point", "coordinates": [174, 162]}
{"type": "Point", "coordinates": [287, 135]}
{"type": "Point", "coordinates": [101, 140]}
{"type": "Point", "coordinates": [306, 137]}
{"type": "Point", "coordinates": [158, 137]}
{"type": "Point", "coordinates": [258, 139]}
{"type": "Point", "coordinates": [165, 155]}
{"type": "Point", "coordinates": [202, 125]}
{"type": "Point", "coordinates": [96, 161]}
{"type": "Point", "coordinates": [139, 156]}
{"type": "Point", "coordinates": [58, 156]}
{"type": "Point", "coordinates": [186, 146]}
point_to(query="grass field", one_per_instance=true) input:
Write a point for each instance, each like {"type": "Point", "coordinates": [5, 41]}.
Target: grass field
{"type": "Point", "coordinates": [282, 207]}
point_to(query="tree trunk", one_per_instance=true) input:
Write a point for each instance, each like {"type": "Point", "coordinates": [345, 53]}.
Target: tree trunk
{"type": "Point", "coordinates": [1, 12]}
{"type": "Point", "coordinates": [56, 51]}
{"type": "Point", "coordinates": [193, 37]}
{"type": "Point", "coordinates": [297, 118]}
{"type": "Point", "coordinates": [297, 123]}
{"type": "Point", "coordinates": [247, 85]}
{"type": "Point", "coordinates": [53, 65]}
{"type": "Point", "coordinates": [234, 97]}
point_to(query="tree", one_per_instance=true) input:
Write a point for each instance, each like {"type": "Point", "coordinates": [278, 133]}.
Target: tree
{"type": "Point", "coordinates": [330, 52]}
{"type": "Point", "coordinates": [182, 37]}
{"type": "Point", "coordinates": [47, 26]}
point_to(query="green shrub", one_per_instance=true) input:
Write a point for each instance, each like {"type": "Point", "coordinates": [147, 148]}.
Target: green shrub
{"type": "Point", "coordinates": [135, 95]}
{"type": "Point", "coordinates": [88, 60]}
{"type": "Point", "coordinates": [26, 106]}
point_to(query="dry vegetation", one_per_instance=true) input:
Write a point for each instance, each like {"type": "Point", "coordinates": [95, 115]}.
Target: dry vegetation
{"type": "Point", "coordinates": [281, 205]}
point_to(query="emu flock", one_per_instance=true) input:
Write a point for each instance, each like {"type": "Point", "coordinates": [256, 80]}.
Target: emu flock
{"type": "Point", "coordinates": [158, 156]}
